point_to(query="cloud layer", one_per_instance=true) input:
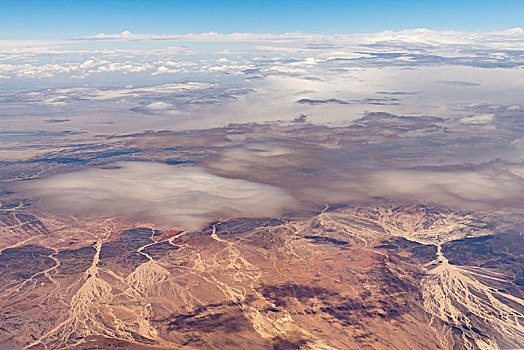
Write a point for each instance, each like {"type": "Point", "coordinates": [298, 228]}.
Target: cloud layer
{"type": "Point", "coordinates": [210, 79]}
{"type": "Point", "coordinates": [480, 189]}
{"type": "Point", "coordinates": [157, 193]}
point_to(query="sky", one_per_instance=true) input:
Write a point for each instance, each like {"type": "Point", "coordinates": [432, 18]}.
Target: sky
{"type": "Point", "coordinates": [59, 19]}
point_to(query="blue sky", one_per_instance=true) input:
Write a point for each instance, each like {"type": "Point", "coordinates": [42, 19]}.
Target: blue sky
{"type": "Point", "coordinates": [23, 19]}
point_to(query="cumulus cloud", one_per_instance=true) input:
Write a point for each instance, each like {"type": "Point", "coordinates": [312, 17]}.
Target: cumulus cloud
{"type": "Point", "coordinates": [158, 193]}
{"type": "Point", "coordinates": [478, 119]}
{"type": "Point", "coordinates": [158, 107]}
{"type": "Point", "coordinates": [165, 70]}
{"type": "Point", "coordinates": [64, 95]}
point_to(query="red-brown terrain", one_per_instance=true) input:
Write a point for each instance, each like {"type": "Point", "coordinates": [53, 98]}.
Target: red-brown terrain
{"type": "Point", "coordinates": [393, 276]}
{"type": "Point", "coordinates": [339, 269]}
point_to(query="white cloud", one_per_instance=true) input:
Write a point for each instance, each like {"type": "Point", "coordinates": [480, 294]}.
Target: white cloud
{"type": "Point", "coordinates": [478, 119]}
{"type": "Point", "coordinates": [87, 63]}
{"type": "Point", "coordinates": [64, 95]}
{"type": "Point", "coordinates": [159, 105]}
{"type": "Point", "coordinates": [158, 193]}
{"type": "Point", "coordinates": [125, 67]}
{"type": "Point", "coordinates": [466, 188]}
{"type": "Point", "coordinates": [507, 38]}
{"type": "Point", "coordinates": [200, 37]}
{"type": "Point", "coordinates": [165, 70]}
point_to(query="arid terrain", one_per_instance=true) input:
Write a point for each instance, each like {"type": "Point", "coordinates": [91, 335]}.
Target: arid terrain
{"type": "Point", "coordinates": [349, 261]}
{"type": "Point", "coordinates": [392, 276]}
